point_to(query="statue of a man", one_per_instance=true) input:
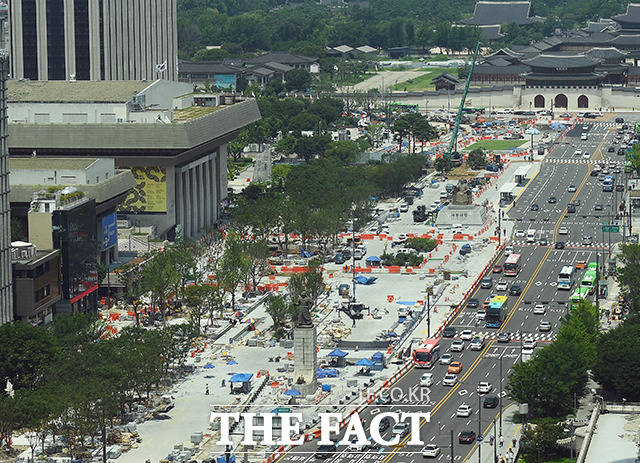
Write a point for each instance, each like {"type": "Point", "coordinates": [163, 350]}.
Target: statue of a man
{"type": "Point", "coordinates": [304, 311]}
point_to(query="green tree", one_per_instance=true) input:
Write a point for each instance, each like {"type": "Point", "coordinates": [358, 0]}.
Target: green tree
{"type": "Point", "coordinates": [279, 308]}
{"type": "Point", "coordinates": [159, 276]}
{"type": "Point", "coordinates": [234, 265]}
{"type": "Point", "coordinates": [345, 150]}
{"type": "Point", "coordinates": [477, 159]}
{"type": "Point", "coordinates": [131, 277]}
{"type": "Point", "coordinates": [628, 274]}
{"type": "Point", "coordinates": [310, 147]}
{"type": "Point", "coordinates": [539, 441]}
{"type": "Point", "coordinates": [617, 364]}
{"type": "Point", "coordinates": [309, 282]}
{"type": "Point", "coordinates": [194, 296]}
{"type": "Point", "coordinates": [443, 164]}
{"type": "Point", "coordinates": [298, 80]}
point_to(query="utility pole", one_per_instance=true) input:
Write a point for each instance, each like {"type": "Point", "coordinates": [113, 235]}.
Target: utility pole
{"type": "Point", "coordinates": [452, 446]}
{"type": "Point", "coordinates": [479, 425]}
{"type": "Point", "coordinates": [429, 291]}
{"type": "Point", "coordinates": [495, 443]}
{"type": "Point", "coordinates": [500, 398]}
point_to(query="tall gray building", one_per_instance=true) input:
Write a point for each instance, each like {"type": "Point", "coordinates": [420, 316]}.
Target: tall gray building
{"type": "Point", "coordinates": [6, 298]}
{"type": "Point", "coordinates": [93, 39]}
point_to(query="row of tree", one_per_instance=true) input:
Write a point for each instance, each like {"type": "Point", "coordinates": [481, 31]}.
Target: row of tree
{"type": "Point", "coordinates": [70, 382]}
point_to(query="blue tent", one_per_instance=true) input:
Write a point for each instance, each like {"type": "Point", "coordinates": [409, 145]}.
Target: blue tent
{"type": "Point", "coordinates": [208, 366]}
{"type": "Point", "coordinates": [338, 353]}
{"type": "Point", "coordinates": [292, 392]}
{"type": "Point", "coordinates": [377, 356]}
{"type": "Point", "coordinates": [232, 362]}
{"type": "Point", "coordinates": [373, 259]}
{"type": "Point", "coordinates": [557, 126]}
{"type": "Point", "coordinates": [362, 280]}
{"type": "Point", "coordinates": [364, 363]}
{"type": "Point", "coordinates": [327, 373]}
{"type": "Point", "coordinates": [241, 378]}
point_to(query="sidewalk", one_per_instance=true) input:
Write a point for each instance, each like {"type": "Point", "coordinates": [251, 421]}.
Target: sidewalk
{"type": "Point", "coordinates": [511, 432]}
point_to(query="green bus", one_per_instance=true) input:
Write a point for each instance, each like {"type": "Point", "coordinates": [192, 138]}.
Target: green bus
{"type": "Point", "coordinates": [404, 106]}
{"type": "Point", "coordinates": [579, 296]}
{"type": "Point", "coordinates": [593, 267]}
{"type": "Point", "coordinates": [588, 282]}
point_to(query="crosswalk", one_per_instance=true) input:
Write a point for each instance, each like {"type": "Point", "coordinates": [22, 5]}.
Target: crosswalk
{"type": "Point", "coordinates": [517, 337]}
{"type": "Point", "coordinates": [568, 244]}
{"type": "Point", "coordinates": [581, 161]}
{"type": "Point", "coordinates": [605, 125]}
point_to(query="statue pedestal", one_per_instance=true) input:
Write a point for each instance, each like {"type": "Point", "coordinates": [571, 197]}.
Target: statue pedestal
{"type": "Point", "coordinates": [305, 359]}
{"type": "Point", "coordinates": [465, 215]}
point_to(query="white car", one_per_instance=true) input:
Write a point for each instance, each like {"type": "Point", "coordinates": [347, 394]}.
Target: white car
{"type": "Point", "coordinates": [528, 345]}
{"type": "Point", "coordinates": [578, 153]}
{"type": "Point", "coordinates": [430, 451]}
{"type": "Point", "coordinates": [539, 309]}
{"type": "Point", "coordinates": [466, 335]}
{"type": "Point", "coordinates": [502, 286]}
{"type": "Point", "coordinates": [477, 343]}
{"type": "Point", "coordinates": [484, 387]}
{"type": "Point", "coordinates": [520, 233]}
{"type": "Point", "coordinates": [426, 380]}
{"type": "Point", "coordinates": [445, 359]}
{"type": "Point", "coordinates": [583, 136]}
{"type": "Point", "coordinates": [586, 156]}
{"type": "Point", "coordinates": [463, 411]}
{"type": "Point", "coordinates": [404, 208]}
{"type": "Point", "coordinates": [354, 445]}
{"type": "Point", "coordinates": [449, 379]}
{"type": "Point", "coordinates": [457, 345]}
{"type": "Point", "coordinates": [508, 250]}
{"type": "Point", "coordinates": [481, 314]}
{"type": "Point", "coordinates": [563, 231]}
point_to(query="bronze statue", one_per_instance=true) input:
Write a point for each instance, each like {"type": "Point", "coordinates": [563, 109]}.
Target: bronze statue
{"type": "Point", "coordinates": [461, 194]}
{"type": "Point", "coordinates": [304, 311]}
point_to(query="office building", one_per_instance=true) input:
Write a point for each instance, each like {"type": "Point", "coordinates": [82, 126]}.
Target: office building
{"type": "Point", "coordinates": [6, 298]}
{"type": "Point", "coordinates": [174, 142]}
{"type": "Point", "coordinates": [93, 39]}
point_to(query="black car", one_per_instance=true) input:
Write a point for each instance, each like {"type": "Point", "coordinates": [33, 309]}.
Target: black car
{"type": "Point", "coordinates": [619, 187]}
{"type": "Point", "coordinates": [595, 172]}
{"type": "Point", "coordinates": [449, 332]}
{"type": "Point", "coordinates": [571, 208]}
{"type": "Point", "coordinates": [473, 303]}
{"type": "Point", "coordinates": [339, 258]}
{"type": "Point", "coordinates": [503, 337]}
{"type": "Point", "coordinates": [621, 152]}
{"type": "Point", "coordinates": [467, 437]}
{"type": "Point", "coordinates": [534, 207]}
{"type": "Point", "coordinates": [559, 244]}
{"type": "Point", "coordinates": [486, 283]}
{"type": "Point", "coordinates": [346, 253]}
{"type": "Point", "coordinates": [515, 290]}
{"type": "Point", "coordinates": [490, 401]}
{"type": "Point", "coordinates": [611, 149]}
{"type": "Point", "coordinates": [552, 200]}
{"type": "Point", "coordinates": [384, 424]}
{"type": "Point", "coordinates": [619, 120]}
{"type": "Point", "coordinates": [325, 451]}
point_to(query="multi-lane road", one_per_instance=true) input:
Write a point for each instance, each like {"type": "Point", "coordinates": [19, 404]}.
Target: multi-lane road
{"type": "Point", "coordinates": [566, 177]}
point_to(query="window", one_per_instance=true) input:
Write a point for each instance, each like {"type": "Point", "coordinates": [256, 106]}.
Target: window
{"type": "Point", "coordinates": [78, 118]}
{"type": "Point", "coordinates": [41, 118]}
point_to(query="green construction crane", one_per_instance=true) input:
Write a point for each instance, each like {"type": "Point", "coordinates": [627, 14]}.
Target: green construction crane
{"type": "Point", "coordinates": [454, 135]}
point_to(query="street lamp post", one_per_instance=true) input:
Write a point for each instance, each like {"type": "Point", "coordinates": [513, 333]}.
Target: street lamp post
{"type": "Point", "coordinates": [500, 396]}
{"type": "Point", "coordinates": [479, 425]}
{"type": "Point", "coordinates": [452, 446]}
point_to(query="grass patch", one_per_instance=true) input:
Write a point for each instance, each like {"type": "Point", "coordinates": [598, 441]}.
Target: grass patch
{"type": "Point", "coordinates": [194, 112]}
{"type": "Point", "coordinates": [496, 145]}
{"type": "Point", "coordinates": [422, 82]}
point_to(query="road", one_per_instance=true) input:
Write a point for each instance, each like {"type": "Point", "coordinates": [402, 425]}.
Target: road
{"type": "Point", "coordinates": [539, 269]}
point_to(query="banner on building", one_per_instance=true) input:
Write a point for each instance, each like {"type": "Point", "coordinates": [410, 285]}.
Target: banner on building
{"type": "Point", "coordinates": [150, 193]}
{"type": "Point", "coordinates": [109, 231]}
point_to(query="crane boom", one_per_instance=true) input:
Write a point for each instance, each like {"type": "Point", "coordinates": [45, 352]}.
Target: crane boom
{"type": "Point", "coordinates": [454, 135]}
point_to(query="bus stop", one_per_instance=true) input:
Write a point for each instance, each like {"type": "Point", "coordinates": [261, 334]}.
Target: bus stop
{"type": "Point", "coordinates": [508, 193]}
{"type": "Point", "coordinates": [523, 175]}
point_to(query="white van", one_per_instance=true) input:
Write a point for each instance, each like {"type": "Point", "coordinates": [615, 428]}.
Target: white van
{"type": "Point", "coordinates": [531, 236]}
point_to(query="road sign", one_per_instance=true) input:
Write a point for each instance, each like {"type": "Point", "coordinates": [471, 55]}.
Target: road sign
{"type": "Point", "coordinates": [611, 228]}
{"type": "Point", "coordinates": [480, 438]}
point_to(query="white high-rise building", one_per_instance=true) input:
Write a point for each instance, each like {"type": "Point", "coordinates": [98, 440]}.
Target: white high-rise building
{"type": "Point", "coordinates": [93, 39]}
{"type": "Point", "coordinates": [6, 297]}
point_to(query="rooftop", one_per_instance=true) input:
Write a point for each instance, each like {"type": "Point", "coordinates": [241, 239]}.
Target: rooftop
{"type": "Point", "coordinates": [493, 13]}
{"type": "Point", "coordinates": [194, 112]}
{"type": "Point", "coordinates": [82, 91]}
{"type": "Point", "coordinates": [492, 32]}
{"type": "Point", "coordinates": [560, 61]}
{"type": "Point", "coordinates": [631, 16]}
{"type": "Point", "coordinates": [36, 163]}
{"type": "Point", "coordinates": [281, 57]}
{"type": "Point", "coordinates": [216, 67]}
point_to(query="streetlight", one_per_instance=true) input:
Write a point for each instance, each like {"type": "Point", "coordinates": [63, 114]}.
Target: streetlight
{"type": "Point", "coordinates": [479, 423]}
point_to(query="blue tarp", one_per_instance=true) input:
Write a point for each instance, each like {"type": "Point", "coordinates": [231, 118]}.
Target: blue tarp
{"type": "Point", "coordinates": [362, 280]}
{"type": "Point", "coordinates": [208, 366]}
{"type": "Point", "coordinates": [338, 353]}
{"type": "Point", "coordinates": [373, 259]}
{"type": "Point", "coordinates": [292, 392]}
{"type": "Point", "coordinates": [557, 126]}
{"type": "Point", "coordinates": [223, 459]}
{"type": "Point", "coordinates": [327, 373]}
{"type": "Point", "coordinates": [364, 363]}
{"type": "Point", "coordinates": [377, 356]}
{"type": "Point", "coordinates": [232, 362]}
{"type": "Point", "coordinates": [407, 302]}
{"type": "Point", "coordinates": [241, 378]}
